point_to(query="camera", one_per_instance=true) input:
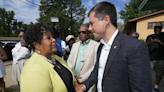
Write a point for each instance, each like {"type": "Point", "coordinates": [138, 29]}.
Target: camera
{"type": "Point", "coordinates": [155, 36]}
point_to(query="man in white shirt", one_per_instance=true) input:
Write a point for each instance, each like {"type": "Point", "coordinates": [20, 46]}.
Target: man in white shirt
{"type": "Point", "coordinates": [122, 62]}
{"type": "Point", "coordinates": [63, 44]}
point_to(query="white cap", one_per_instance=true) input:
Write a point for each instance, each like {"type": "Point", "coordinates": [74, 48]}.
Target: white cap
{"type": "Point", "coordinates": [69, 37]}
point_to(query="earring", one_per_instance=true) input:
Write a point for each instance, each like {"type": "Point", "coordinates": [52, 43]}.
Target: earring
{"type": "Point", "coordinates": [39, 51]}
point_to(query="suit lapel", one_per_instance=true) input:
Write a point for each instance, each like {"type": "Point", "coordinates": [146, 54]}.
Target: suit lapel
{"type": "Point", "coordinates": [98, 57]}
{"type": "Point", "coordinates": [113, 51]}
{"type": "Point", "coordinates": [87, 52]}
{"type": "Point", "coordinates": [99, 53]}
{"type": "Point", "coordinates": [75, 53]}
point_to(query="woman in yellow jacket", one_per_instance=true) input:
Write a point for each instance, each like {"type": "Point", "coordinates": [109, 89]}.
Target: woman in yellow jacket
{"type": "Point", "coordinates": [45, 72]}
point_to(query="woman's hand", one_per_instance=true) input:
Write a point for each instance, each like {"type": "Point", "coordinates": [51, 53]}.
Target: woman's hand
{"type": "Point", "coordinates": [77, 78]}
{"type": "Point", "coordinates": [79, 87]}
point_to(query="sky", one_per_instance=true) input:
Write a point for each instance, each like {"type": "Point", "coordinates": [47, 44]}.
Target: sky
{"type": "Point", "coordinates": [27, 10]}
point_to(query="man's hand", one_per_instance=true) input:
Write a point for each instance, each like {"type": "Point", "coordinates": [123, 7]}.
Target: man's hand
{"type": "Point", "coordinates": [155, 40]}
{"type": "Point", "coordinates": [77, 78]}
{"type": "Point", "coordinates": [152, 40]}
{"type": "Point", "coordinates": [79, 87]}
{"type": "Point", "coordinates": [158, 41]}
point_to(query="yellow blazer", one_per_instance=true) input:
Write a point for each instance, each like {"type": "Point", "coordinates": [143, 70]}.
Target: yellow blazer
{"type": "Point", "coordinates": [38, 75]}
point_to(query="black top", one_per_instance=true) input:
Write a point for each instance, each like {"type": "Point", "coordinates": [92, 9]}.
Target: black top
{"type": "Point", "coordinates": [67, 54]}
{"type": "Point", "coordinates": [156, 51]}
{"type": "Point", "coordinates": [66, 76]}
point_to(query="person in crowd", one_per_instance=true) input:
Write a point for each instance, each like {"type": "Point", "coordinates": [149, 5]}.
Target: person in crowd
{"type": "Point", "coordinates": [134, 35]}
{"type": "Point", "coordinates": [155, 43]}
{"type": "Point", "coordinates": [83, 55]}
{"type": "Point", "coordinates": [56, 34]}
{"type": "Point", "coordinates": [63, 44]}
{"type": "Point", "coordinates": [59, 47]}
{"type": "Point", "coordinates": [44, 71]}
{"type": "Point", "coordinates": [3, 56]}
{"type": "Point", "coordinates": [122, 63]}
{"type": "Point", "coordinates": [59, 44]}
{"type": "Point", "coordinates": [20, 55]}
{"type": "Point", "coordinates": [70, 39]}
{"type": "Point", "coordinates": [77, 39]}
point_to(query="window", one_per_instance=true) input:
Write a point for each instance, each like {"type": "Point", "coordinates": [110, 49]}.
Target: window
{"type": "Point", "coordinates": [163, 24]}
{"type": "Point", "coordinates": [152, 24]}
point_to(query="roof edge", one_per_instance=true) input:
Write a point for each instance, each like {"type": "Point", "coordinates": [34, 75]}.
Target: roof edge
{"type": "Point", "coordinates": [145, 16]}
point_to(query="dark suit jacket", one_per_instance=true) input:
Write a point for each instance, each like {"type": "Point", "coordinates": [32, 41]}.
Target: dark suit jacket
{"type": "Point", "coordinates": [127, 68]}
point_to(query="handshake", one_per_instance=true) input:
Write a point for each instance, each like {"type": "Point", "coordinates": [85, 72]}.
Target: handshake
{"type": "Point", "coordinates": [79, 87]}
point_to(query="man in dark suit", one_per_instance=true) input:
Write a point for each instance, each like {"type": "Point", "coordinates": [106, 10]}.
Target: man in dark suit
{"type": "Point", "coordinates": [122, 61]}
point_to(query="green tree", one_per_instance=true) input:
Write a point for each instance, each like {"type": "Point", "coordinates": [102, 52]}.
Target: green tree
{"type": "Point", "coordinates": [76, 12]}
{"type": "Point", "coordinates": [6, 18]}
{"type": "Point", "coordinates": [13, 35]}
{"type": "Point", "coordinates": [3, 32]}
{"type": "Point", "coordinates": [131, 11]}
{"type": "Point", "coordinates": [57, 8]}
{"type": "Point", "coordinates": [9, 25]}
{"type": "Point", "coordinates": [71, 14]}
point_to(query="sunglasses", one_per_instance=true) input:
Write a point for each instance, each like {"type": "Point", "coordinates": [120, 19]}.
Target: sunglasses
{"type": "Point", "coordinates": [84, 32]}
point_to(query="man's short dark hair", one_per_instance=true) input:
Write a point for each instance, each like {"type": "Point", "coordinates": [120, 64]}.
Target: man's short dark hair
{"type": "Point", "coordinates": [105, 8]}
{"type": "Point", "coordinates": [159, 25]}
{"type": "Point", "coordinates": [135, 33]}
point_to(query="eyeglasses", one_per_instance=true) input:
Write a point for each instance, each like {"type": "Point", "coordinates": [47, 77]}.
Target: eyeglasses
{"type": "Point", "coordinates": [84, 32]}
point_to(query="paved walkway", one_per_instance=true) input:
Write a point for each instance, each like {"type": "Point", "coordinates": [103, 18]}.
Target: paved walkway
{"type": "Point", "coordinates": [161, 85]}
{"type": "Point", "coordinates": [8, 78]}
{"type": "Point", "coordinates": [12, 84]}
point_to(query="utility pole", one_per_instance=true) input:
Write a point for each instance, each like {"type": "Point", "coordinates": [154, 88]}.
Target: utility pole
{"type": "Point", "coordinates": [71, 18]}
{"type": "Point", "coordinates": [69, 30]}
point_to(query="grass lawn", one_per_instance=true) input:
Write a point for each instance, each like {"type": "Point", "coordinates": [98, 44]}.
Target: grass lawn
{"type": "Point", "coordinates": [9, 90]}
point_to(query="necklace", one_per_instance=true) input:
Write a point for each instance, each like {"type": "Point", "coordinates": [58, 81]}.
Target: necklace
{"type": "Point", "coordinates": [53, 61]}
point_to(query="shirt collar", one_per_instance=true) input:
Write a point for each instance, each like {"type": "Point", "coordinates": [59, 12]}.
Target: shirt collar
{"type": "Point", "coordinates": [111, 39]}
{"type": "Point", "coordinates": [85, 42]}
